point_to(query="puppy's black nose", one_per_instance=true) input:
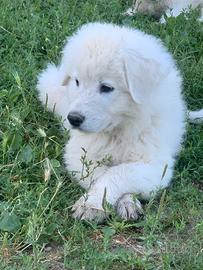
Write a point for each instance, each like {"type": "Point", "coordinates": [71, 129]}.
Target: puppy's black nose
{"type": "Point", "coordinates": [75, 119]}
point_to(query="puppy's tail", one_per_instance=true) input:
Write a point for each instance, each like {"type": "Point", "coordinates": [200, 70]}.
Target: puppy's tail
{"type": "Point", "coordinates": [195, 116]}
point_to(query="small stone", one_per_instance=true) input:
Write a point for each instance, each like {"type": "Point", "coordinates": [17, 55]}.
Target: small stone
{"type": "Point", "coordinates": [48, 248]}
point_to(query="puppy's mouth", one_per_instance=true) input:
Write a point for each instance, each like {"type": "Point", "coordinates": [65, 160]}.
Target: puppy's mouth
{"type": "Point", "coordinates": [91, 129]}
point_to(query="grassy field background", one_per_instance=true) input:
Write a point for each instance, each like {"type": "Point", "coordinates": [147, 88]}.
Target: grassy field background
{"type": "Point", "coordinates": [36, 193]}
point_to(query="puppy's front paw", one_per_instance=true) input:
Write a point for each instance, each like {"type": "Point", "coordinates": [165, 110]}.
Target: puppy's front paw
{"type": "Point", "coordinates": [129, 208]}
{"type": "Point", "coordinates": [86, 210]}
{"type": "Point", "coordinates": [162, 20]}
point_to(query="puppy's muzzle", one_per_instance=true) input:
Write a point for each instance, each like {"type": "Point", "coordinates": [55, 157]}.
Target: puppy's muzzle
{"type": "Point", "coordinates": [75, 119]}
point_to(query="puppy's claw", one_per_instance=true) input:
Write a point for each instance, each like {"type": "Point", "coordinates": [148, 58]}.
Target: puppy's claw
{"type": "Point", "coordinates": [84, 210]}
{"type": "Point", "coordinates": [128, 208]}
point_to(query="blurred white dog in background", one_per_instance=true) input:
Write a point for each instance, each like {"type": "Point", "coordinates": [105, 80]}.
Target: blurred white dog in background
{"type": "Point", "coordinates": [119, 91]}
{"type": "Point", "coordinates": [157, 8]}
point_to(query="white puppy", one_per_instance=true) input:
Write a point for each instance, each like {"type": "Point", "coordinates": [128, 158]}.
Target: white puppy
{"type": "Point", "coordinates": [157, 8]}
{"type": "Point", "coordinates": [120, 91]}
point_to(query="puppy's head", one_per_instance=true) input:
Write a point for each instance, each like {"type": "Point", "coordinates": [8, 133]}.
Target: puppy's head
{"type": "Point", "coordinates": [106, 81]}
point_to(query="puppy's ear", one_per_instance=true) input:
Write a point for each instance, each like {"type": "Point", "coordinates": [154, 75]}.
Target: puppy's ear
{"type": "Point", "coordinates": [141, 74]}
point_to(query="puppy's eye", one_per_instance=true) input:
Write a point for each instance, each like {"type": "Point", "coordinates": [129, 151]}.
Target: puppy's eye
{"type": "Point", "coordinates": [105, 88]}
{"type": "Point", "coordinates": [77, 82]}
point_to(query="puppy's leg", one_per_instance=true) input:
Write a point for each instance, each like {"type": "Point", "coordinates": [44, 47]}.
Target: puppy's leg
{"type": "Point", "coordinates": [141, 178]}
{"type": "Point", "coordinates": [50, 89]}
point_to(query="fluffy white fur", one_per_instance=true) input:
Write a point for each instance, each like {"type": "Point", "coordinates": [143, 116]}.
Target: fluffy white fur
{"type": "Point", "coordinates": [140, 124]}
{"type": "Point", "coordinates": [158, 7]}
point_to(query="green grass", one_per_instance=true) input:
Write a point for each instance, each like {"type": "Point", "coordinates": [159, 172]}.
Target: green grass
{"type": "Point", "coordinates": [36, 192]}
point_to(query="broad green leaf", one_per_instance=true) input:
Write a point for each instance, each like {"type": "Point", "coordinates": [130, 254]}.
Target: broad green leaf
{"type": "Point", "coordinates": [9, 222]}
{"type": "Point", "coordinates": [55, 163]}
{"type": "Point", "coordinates": [26, 154]}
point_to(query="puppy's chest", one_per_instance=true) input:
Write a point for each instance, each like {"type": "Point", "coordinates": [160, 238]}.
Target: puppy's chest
{"type": "Point", "coordinates": [99, 149]}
